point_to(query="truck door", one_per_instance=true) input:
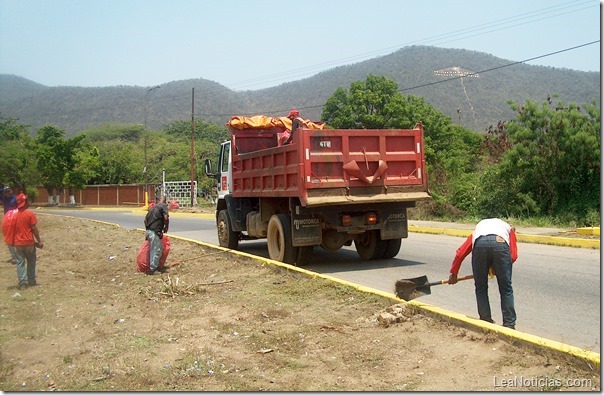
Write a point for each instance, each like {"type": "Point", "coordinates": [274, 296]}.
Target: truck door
{"type": "Point", "coordinates": [224, 184]}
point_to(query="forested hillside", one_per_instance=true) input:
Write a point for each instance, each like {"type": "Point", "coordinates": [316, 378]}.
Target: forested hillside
{"type": "Point", "coordinates": [476, 101]}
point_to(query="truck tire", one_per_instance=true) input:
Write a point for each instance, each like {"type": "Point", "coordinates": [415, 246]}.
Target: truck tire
{"type": "Point", "coordinates": [226, 236]}
{"type": "Point", "coordinates": [369, 245]}
{"type": "Point", "coordinates": [393, 246]}
{"type": "Point", "coordinates": [279, 239]}
{"type": "Point", "coordinates": [304, 254]}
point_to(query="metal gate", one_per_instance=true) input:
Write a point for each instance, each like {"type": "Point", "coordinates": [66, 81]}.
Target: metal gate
{"type": "Point", "coordinates": [181, 192]}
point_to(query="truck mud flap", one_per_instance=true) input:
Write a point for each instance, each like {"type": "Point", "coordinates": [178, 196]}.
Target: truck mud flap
{"type": "Point", "coordinates": [394, 224]}
{"type": "Point", "coordinates": [238, 209]}
{"type": "Point", "coordinates": [306, 230]}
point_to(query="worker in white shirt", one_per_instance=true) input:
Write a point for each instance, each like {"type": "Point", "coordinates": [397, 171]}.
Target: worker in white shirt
{"type": "Point", "coordinates": [493, 245]}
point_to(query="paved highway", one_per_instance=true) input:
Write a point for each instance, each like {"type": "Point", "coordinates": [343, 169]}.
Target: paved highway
{"type": "Point", "coordinates": [557, 289]}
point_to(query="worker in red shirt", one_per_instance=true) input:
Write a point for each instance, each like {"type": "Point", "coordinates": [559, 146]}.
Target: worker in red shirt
{"type": "Point", "coordinates": [297, 122]}
{"type": "Point", "coordinates": [20, 230]}
{"type": "Point", "coordinates": [493, 245]}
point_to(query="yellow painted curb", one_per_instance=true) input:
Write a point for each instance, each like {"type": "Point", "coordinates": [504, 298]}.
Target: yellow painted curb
{"type": "Point", "coordinates": [560, 241]}
{"type": "Point", "coordinates": [586, 355]}
{"type": "Point", "coordinates": [527, 338]}
{"type": "Point", "coordinates": [440, 231]}
{"type": "Point", "coordinates": [197, 215]}
{"type": "Point", "coordinates": [525, 238]}
{"type": "Point", "coordinates": [589, 231]}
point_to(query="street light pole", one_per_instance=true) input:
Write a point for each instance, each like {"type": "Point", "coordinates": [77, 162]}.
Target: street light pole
{"type": "Point", "coordinates": [145, 170]}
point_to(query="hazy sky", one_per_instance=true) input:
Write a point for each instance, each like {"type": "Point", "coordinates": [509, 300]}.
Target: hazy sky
{"type": "Point", "coordinates": [254, 44]}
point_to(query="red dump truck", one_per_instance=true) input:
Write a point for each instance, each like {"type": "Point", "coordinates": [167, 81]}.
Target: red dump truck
{"type": "Point", "coordinates": [328, 188]}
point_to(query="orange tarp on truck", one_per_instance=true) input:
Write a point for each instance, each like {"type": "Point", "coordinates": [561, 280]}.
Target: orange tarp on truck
{"type": "Point", "coordinates": [265, 122]}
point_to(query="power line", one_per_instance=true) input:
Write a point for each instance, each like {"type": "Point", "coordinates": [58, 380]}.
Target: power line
{"type": "Point", "coordinates": [500, 67]}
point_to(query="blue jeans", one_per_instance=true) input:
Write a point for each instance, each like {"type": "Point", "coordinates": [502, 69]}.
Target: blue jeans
{"type": "Point", "coordinates": [26, 254]}
{"type": "Point", "coordinates": [155, 249]}
{"type": "Point", "coordinates": [488, 252]}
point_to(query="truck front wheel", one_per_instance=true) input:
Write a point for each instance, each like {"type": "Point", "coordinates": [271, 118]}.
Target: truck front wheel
{"type": "Point", "coordinates": [226, 236]}
{"type": "Point", "coordinates": [279, 239]}
{"type": "Point", "coordinates": [370, 245]}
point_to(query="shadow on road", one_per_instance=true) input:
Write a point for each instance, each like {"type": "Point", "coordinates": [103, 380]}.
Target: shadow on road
{"type": "Point", "coordinates": [343, 260]}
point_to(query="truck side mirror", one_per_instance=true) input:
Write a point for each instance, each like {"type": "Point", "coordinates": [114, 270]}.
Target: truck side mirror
{"type": "Point", "coordinates": [207, 168]}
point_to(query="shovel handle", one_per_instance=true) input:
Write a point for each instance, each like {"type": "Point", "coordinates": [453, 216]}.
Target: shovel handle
{"type": "Point", "coordinates": [468, 277]}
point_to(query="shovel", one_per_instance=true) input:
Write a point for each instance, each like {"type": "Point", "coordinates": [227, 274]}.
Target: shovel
{"type": "Point", "coordinates": [411, 288]}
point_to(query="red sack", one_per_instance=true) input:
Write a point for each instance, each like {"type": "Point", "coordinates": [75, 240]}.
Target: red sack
{"type": "Point", "coordinates": [165, 242]}
{"type": "Point", "coordinates": [142, 258]}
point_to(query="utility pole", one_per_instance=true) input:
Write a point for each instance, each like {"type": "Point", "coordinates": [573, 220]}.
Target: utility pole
{"type": "Point", "coordinates": [192, 147]}
{"type": "Point", "coordinates": [146, 169]}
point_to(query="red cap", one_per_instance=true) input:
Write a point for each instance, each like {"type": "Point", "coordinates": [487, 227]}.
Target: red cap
{"type": "Point", "coordinates": [293, 113]}
{"type": "Point", "coordinates": [21, 200]}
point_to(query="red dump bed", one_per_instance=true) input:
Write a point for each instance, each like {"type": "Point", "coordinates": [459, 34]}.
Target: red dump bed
{"type": "Point", "coordinates": [331, 166]}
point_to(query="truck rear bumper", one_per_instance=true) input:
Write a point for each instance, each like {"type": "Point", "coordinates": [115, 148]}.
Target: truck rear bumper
{"type": "Point", "coordinates": [331, 200]}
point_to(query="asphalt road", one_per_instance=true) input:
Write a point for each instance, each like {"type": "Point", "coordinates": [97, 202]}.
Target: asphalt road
{"type": "Point", "coordinates": [557, 289]}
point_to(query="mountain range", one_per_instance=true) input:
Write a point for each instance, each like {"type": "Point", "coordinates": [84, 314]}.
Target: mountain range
{"type": "Point", "coordinates": [471, 87]}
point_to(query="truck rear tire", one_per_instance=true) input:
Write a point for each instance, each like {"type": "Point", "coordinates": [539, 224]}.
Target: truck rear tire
{"type": "Point", "coordinates": [370, 245]}
{"type": "Point", "coordinates": [279, 239]}
{"type": "Point", "coordinates": [393, 246]}
{"type": "Point", "coordinates": [226, 236]}
{"type": "Point", "coordinates": [304, 254]}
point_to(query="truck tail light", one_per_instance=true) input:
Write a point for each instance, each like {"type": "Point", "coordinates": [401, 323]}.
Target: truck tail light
{"type": "Point", "coordinates": [371, 218]}
{"type": "Point", "coordinates": [346, 220]}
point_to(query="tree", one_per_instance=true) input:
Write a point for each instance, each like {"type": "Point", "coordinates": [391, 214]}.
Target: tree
{"type": "Point", "coordinates": [56, 158]}
{"type": "Point", "coordinates": [553, 165]}
{"type": "Point", "coordinates": [203, 131]}
{"type": "Point", "coordinates": [18, 164]}
{"type": "Point", "coordinates": [113, 132]}
{"type": "Point", "coordinates": [496, 143]}
{"type": "Point", "coordinates": [368, 105]}
{"type": "Point", "coordinates": [208, 137]}
{"type": "Point", "coordinates": [86, 163]}
{"type": "Point", "coordinates": [120, 151]}
{"type": "Point", "coordinates": [116, 154]}
{"type": "Point", "coordinates": [118, 162]}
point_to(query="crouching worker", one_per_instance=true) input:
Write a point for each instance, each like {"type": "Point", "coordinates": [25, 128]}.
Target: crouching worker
{"type": "Point", "coordinates": [157, 222]}
{"type": "Point", "coordinates": [493, 245]}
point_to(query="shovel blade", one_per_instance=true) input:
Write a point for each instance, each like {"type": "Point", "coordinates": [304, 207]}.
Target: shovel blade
{"type": "Point", "coordinates": [411, 288]}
